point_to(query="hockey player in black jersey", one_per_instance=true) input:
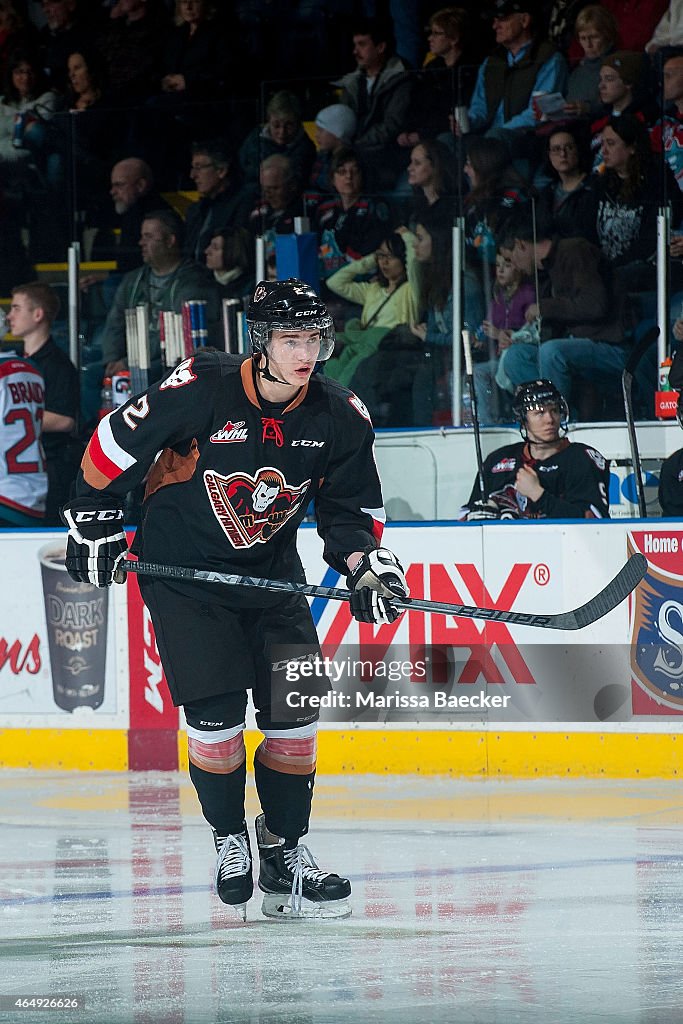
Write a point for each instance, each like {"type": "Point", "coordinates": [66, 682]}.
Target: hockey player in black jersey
{"type": "Point", "coordinates": [671, 472]}
{"type": "Point", "coordinates": [245, 445]}
{"type": "Point", "coordinates": [545, 475]}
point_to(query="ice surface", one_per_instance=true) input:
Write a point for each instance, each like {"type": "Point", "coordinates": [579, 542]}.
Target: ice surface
{"type": "Point", "coordinates": [473, 903]}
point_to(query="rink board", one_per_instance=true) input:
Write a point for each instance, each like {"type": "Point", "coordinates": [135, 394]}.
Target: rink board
{"type": "Point", "coordinates": [594, 702]}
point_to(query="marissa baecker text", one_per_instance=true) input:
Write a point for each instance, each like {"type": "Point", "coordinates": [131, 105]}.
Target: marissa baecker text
{"type": "Point", "coordinates": [406, 701]}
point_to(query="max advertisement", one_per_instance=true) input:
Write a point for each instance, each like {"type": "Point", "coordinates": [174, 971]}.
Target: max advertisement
{"type": "Point", "coordinates": [82, 657]}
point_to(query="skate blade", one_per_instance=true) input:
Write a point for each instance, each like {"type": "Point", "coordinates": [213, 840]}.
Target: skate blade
{"type": "Point", "coordinates": [278, 907]}
{"type": "Point", "coordinates": [240, 910]}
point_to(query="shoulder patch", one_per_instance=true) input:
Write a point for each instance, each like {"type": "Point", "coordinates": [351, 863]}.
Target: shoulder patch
{"type": "Point", "coordinates": [597, 458]}
{"type": "Point", "coordinates": [181, 376]}
{"type": "Point", "coordinates": [361, 409]}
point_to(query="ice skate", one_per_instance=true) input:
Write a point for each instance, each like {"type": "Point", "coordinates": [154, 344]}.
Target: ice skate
{"type": "Point", "coordinates": [293, 885]}
{"type": "Point", "coordinates": [233, 879]}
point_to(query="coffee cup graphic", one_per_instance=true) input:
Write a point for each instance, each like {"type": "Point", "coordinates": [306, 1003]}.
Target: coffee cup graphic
{"type": "Point", "coordinates": [76, 616]}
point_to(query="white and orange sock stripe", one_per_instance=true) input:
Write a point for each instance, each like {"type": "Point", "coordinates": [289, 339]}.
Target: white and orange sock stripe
{"type": "Point", "coordinates": [290, 751]}
{"type": "Point", "coordinates": [219, 752]}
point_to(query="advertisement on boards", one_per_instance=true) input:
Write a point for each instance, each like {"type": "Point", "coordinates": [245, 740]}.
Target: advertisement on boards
{"type": "Point", "coordinates": [78, 655]}
{"type": "Point", "coordinates": [446, 670]}
{"type": "Point", "coordinates": [656, 625]}
{"type": "Point", "coordinates": [58, 657]}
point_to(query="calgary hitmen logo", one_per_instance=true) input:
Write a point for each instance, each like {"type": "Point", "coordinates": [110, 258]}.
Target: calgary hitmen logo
{"type": "Point", "coordinates": [250, 509]}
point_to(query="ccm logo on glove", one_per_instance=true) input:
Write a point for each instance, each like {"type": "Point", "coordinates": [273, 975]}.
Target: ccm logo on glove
{"type": "Point", "coordinates": [103, 516]}
{"type": "Point", "coordinates": [96, 543]}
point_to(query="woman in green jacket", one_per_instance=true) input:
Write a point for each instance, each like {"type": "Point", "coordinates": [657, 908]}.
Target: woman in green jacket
{"type": "Point", "coordinates": [387, 300]}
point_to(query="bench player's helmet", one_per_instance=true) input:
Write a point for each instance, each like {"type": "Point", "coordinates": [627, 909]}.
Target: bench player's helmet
{"type": "Point", "coordinates": [290, 305]}
{"type": "Point", "coordinates": [536, 394]}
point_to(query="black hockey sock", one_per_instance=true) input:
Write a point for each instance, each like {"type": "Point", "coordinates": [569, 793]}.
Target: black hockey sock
{"type": "Point", "coordinates": [221, 797]}
{"type": "Point", "coordinates": [286, 801]}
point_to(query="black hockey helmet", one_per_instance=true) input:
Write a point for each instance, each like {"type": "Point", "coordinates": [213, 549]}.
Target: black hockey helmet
{"type": "Point", "coordinates": [290, 305]}
{"type": "Point", "coordinates": [535, 394]}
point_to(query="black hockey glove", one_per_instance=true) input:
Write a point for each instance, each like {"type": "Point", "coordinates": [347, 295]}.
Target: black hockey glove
{"type": "Point", "coordinates": [374, 580]}
{"type": "Point", "coordinates": [96, 542]}
{"type": "Point", "coordinates": [483, 510]}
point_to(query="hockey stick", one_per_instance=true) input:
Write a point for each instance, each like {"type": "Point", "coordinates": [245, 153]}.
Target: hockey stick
{"type": "Point", "coordinates": [626, 580]}
{"type": "Point", "coordinates": [649, 338]}
{"type": "Point", "coordinates": [467, 348]}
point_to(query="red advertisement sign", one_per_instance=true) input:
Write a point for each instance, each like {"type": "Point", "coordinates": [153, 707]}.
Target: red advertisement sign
{"type": "Point", "coordinates": [153, 718]}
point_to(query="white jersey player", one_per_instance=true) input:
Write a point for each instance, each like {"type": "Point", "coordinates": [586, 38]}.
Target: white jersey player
{"type": "Point", "coordinates": [23, 477]}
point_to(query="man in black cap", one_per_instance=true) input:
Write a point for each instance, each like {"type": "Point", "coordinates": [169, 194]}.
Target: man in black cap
{"type": "Point", "coordinates": [521, 64]}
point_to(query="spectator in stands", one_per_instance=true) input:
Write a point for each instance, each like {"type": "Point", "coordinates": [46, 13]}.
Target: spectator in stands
{"type": "Point", "coordinates": [221, 204]}
{"type": "Point", "coordinates": [280, 202]}
{"type": "Point", "coordinates": [134, 196]}
{"type": "Point", "coordinates": [63, 33]}
{"type": "Point", "coordinates": [130, 43]}
{"type": "Point", "coordinates": [230, 258]}
{"type": "Point", "coordinates": [597, 33]}
{"type": "Point", "coordinates": [669, 31]}
{"type": "Point", "coordinates": [521, 64]}
{"type": "Point", "coordinates": [283, 134]}
{"type": "Point", "coordinates": [667, 133]}
{"type": "Point", "coordinates": [14, 35]}
{"type": "Point", "coordinates": [570, 197]}
{"type": "Point", "coordinates": [430, 173]}
{"type": "Point", "coordinates": [628, 197]}
{"type": "Point", "coordinates": [621, 92]}
{"type": "Point", "coordinates": [495, 190]}
{"type": "Point", "coordinates": [335, 127]}
{"type": "Point", "coordinates": [23, 477]}
{"type": "Point", "coordinates": [582, 325]}
{"type": "Point", "coordinates": [96, 133]}
{"type": "Point", "coordinates": [560, 17]}
{"type": "Point", "coordinates": [86, 82]}
{"type": "Point", "coordinates": [194, 55]}
{"type": "Point", "coordinates": [387, 300]}
{"type": "Point", "coordinates": [14, 263]}
{"type": "Point", "coordinates": [349, 226]}
{"type": "Point", "coordinates": [33, 311]}
{"type": "Point", "coordinates": [447, 80]}
{"type": "Point", "coordinates": [164, 282]}
{"type": "Point", "coordinates": [636, 20]}
{"type": "Point", "coordinates": [379, 93]}
{"type": "Point", "coordinates": [430, 274]}
{"type": "Point", "coordinates": [26, 105]}
{"type": "Point", "coordinates": [512, 295]}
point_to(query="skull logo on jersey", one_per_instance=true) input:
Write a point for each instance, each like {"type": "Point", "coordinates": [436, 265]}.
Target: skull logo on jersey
{"type": "Point", "coordinates": [250, 509]}
{"type": "Point", "coordinates": [182, 375]}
